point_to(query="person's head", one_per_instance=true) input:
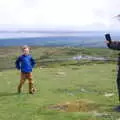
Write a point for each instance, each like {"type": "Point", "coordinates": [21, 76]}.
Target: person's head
{"type": "Point", "coordinates": [25, 50]}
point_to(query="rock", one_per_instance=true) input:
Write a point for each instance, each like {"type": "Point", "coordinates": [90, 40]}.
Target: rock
{"type": "Point", "coordinates": [60, 73]}
{"type": "Point", "coordinates": [108, 94]}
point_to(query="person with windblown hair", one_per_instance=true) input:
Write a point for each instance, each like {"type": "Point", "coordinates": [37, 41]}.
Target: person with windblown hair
{"type": "Point", "coordinates": [25, 64]}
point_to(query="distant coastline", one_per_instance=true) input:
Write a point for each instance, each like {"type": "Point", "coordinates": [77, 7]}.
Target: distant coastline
{"type": "Point", "coordinates": [55, 38]}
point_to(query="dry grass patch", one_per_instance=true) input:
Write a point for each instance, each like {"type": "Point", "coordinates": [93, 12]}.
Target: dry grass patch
{"type": "Point", "coordinates": [75, 106]}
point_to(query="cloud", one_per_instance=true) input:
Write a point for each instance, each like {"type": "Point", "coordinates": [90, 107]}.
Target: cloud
{"type": "Point", "coordinates": [56, 13]}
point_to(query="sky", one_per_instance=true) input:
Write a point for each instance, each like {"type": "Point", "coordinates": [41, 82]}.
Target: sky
{"type": "Point", "coordinates": [60, 14]}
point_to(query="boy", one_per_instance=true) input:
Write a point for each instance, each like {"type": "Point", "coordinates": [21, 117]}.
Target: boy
{"type": "Point", "coordinates": [25, 63]}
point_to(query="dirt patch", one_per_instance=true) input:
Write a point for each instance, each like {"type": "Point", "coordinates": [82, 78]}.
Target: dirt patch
{"type": "Point", "coordinates": [75, 106]}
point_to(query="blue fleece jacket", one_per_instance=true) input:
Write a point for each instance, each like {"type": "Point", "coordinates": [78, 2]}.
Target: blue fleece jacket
{"type": "Point", "coordinates": [25, 63]}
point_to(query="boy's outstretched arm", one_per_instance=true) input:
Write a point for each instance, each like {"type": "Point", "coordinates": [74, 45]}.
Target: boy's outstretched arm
{"type": "Point", "coordinates": [17, 63]}
{"type": "Point", "coordinates": [33, 62]}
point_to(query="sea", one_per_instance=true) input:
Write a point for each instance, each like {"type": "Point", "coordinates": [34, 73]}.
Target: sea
{"type": "Point", "coordinates": [56, 38]}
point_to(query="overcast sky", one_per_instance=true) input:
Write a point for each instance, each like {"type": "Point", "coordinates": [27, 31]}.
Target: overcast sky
{"type": "Point", "coordinates": [59, 14]}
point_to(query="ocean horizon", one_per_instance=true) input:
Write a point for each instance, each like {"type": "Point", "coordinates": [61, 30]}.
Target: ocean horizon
{"type": "Point", "coordinates": [55, 38]}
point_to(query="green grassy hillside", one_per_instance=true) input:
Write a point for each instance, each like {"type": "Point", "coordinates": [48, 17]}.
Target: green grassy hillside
{"type": "Point", "coordinates": [66, 90]}
{"type": "Point", "coordinates": [86, 92]}
{"type": "Point", "coordinates": [50, 56]}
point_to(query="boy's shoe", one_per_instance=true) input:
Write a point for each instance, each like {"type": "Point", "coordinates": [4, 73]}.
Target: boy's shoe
{"type": "Point", "coordinates": [33, 90]}
{"type": "Point", "coordinates": [19, 91]}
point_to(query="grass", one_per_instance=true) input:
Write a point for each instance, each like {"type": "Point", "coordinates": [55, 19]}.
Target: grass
{"type": "Point", "coordinates": [61, 86]}
{"type": "Point", "coordinates": [66, 90]}
{"type": "Point", "coordinates": [45, 55]}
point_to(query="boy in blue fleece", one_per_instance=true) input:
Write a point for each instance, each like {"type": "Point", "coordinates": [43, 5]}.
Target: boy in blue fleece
{"type": "Point", "coordinates": [25, 63]}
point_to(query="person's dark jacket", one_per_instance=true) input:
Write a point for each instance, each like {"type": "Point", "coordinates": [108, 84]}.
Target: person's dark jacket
{"type": "Point", "coordinates": [115, 45]}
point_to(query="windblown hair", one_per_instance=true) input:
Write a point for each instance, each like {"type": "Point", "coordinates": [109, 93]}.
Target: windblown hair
{"type": "Point", "coordinates": [25, 46]}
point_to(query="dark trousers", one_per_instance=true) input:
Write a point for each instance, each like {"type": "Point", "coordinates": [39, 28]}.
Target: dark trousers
{"type": "Point", "coordinates": [118, 81]}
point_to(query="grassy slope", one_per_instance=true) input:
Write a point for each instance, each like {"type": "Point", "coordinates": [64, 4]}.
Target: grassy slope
{"type": "Point", "coordinates": [54, 88]}
{"type": "Point", "coordinates": [8, 55]}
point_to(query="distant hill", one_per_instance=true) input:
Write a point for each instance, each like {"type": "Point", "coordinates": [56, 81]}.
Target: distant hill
{"type": "Point", "coordinates": [33, 38]}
